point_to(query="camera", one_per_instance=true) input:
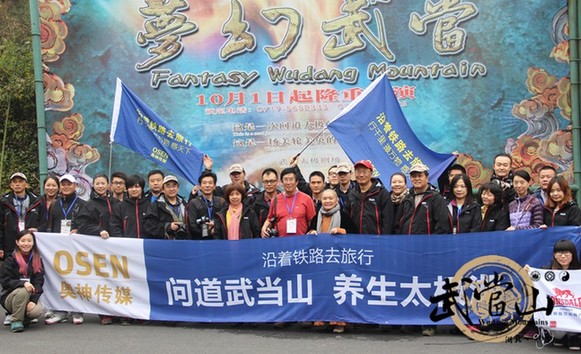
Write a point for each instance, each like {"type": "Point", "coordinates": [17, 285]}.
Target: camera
{"type": "Point", "coordinates": [272, 232]}
{"type": "Point", "coordinates": [203, 222]}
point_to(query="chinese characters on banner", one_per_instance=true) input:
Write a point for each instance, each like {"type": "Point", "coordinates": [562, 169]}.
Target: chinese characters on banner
{"type": "Point", "coordinates": [355, 278]}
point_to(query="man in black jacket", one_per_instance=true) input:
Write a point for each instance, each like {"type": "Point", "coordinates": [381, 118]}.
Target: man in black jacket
{"type": "Point", "coordinates": [203, 208]}
{"type": "Point", "coordinates": [19, 211]}
{"type": "Point", "coordinates": [424, 211]}
{"type": "Point", "coordinates": [371, 208]}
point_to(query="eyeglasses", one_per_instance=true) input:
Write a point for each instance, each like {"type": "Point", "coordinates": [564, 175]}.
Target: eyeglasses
{"type": "Point", "coordinates": [269, 181]}
{"type": "Point", "coordinates": [564, 253]}
{"type": "Point", "coordinates": [118, 182]}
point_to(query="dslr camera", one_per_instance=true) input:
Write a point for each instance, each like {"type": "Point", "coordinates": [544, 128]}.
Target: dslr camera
{"type": "Point", "coordinates": [203, 222]}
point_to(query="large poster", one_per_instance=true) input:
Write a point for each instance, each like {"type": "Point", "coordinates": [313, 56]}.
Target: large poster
{"type": "Point", "coordinates": [252, 82]}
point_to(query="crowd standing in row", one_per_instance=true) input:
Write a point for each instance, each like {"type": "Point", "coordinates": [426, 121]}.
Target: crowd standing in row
{"type": "Point", "coordinates": [340, 205]}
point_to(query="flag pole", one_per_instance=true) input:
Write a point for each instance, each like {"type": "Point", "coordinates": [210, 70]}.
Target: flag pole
{"type": "Point", "coordinates": [306, 146]}
{"type": "Point", "coordinates": [110, 158]}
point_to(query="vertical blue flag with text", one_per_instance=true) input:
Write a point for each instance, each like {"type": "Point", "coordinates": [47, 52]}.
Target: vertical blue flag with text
{"type": "Point", "coordinates": [139, 128]}
{"type": "Point", "coordinates": [374, 128]}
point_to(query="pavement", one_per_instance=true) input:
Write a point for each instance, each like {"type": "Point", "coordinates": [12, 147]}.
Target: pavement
{"type": "Point", "coordinates": [159, 337]}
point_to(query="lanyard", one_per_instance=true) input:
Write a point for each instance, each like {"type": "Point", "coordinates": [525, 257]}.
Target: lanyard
{"type": "Point", "coordinates": [209, 205]}
{"type": "Point", "coordinates": [109, 206]}
{"type": "Point", "coordinates": [290, 210]}
{"type": "Point", "coordinates": [66, 213]}
{"type": "Point", "coordinates": [20, 207]}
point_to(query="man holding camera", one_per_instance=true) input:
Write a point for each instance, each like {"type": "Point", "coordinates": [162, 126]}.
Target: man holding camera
{"type": "Point", "coordinates": [203, 208]}
{"type": "Point", "coordinates": [166, 218]}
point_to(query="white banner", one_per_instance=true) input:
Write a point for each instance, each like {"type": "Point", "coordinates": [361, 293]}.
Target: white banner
{"type": "Point", "coordinates": [89, 274]}
{"type": "Point", "coordinates": [563, 287]}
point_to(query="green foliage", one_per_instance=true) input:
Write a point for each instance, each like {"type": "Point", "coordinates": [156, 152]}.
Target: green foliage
{"type": "Point", "coordinates": [17, 99]}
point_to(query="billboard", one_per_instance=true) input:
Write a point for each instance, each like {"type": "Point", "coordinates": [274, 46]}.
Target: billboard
{"type": "Point", "coordinates": [253, 82]}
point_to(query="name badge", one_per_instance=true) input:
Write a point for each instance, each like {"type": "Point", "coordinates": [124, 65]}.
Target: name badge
{"type": "Point", "coordinates": [21, 225]}
{"type": "Point", "coordinates": [291, 226]}
{"type": "Point", "coordinates": [66, 226]}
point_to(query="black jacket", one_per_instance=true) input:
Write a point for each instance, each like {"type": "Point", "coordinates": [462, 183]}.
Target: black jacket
{"type": "Point", "coordinates": [372, 211]}
{"type": "Point", "coordinates": [344, 196]}
{"type": "Point", "coordinates": [95, 215]}
{"type": "Point", "coordinates": [469, 220]}
{"type": "Point", "coordinates": [261, 207]}
{"type": "Point", "coordinates": [495, 219]}
{"type": "Point", "coordinates": [43, 210]}
{"type": "Point", "coordinates": [569, 215]}
{"type": "Point", "coordinates": [346, 223]}
{"type": "Point", "coordinates": [128, 218]}
{"type": "Point", "coordinates": [197, 208]}
{"type": "Point", "coordinates": [249, 226]}
{"type": "Point", "coordinates": [11, 279]}
{"type": "Point", "coordinates": [9, 219]}
{"type": "Point", "coordinates": [158, 220]}
{"type": "Point", "coordinates": [429, 217]}
{"type": "Point", "coordinates": [57, 211]}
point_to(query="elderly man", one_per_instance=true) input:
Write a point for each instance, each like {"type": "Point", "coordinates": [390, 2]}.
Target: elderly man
{"type": "Point", "coordinates": [237, 176]}
{"type": "Point", "coordinates": [290, 212]}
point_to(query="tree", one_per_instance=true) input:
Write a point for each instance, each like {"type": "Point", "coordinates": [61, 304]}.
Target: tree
{"type": "Point", "coordinates": [19, 147]}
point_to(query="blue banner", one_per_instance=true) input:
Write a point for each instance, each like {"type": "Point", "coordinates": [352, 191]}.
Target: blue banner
{"type": "Point", "coordinates": [374, 128]}
{"type": "Point", "coordinates": [462, 279]}
{"type": "Point", "coordinates": [139, 128]}
{"type": "Point", "coordinates": [367, 279]}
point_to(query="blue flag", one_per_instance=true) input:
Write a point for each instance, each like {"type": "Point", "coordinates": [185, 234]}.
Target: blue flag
{"type": "Point", "coordinates": [374, 128]}
{"type": "Point", "coordinates": [139, 128]}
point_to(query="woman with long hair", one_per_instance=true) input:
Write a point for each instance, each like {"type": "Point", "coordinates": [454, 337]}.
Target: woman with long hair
{"type": "Point", "coordinates": [51, 190]}
{"type": "Point", "coordinates": [463, 211]}
{"type": "Point", "coordinates": [494, 214]}
{"type": "Point", "coordinates": [22, 278]}
{"type": "Point", "coordinates": [560, 208]}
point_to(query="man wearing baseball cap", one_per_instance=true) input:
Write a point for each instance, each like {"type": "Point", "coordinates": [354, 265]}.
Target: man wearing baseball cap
{"type": "Point", "coordinates": [237, 176]}
{"type": "Point", "coordinates": [370, 204]}
{"type": "Point", "coordinates": [19, 211]}
{"type": "Point", "coordinates": [166, 219]}
{"type": "Point", "coordinates": [345, 184]}
{"type": "Point", "coordinates": [423, 211]}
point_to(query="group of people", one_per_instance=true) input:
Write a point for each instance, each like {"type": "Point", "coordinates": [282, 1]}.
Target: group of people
{"type": "Point", "coordinates": [347, 200]}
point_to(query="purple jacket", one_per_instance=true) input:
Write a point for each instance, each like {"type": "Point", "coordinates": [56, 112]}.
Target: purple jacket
{"type": "Point", "coordinates": [526, 212]}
